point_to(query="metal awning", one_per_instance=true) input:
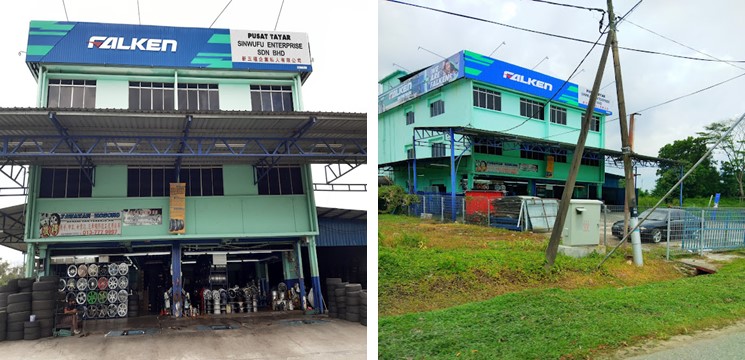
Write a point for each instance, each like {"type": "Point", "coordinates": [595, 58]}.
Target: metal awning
{"type": "Point", "coordinates": [66, 137]}
{"type": "Point", "coordinates": [468, 134]}
{"type": "Point", "coordinates": [12, 221]}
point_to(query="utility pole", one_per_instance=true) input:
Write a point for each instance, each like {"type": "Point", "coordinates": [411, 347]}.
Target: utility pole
{"type": "Point", "coordinates": [626, 217]}
{"type": "Point", "coordinates": [636, 244]}
{"type": "Point", "coordinates": [553, 244]}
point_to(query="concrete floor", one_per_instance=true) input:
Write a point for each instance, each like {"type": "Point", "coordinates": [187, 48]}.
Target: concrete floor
{"type": "Point", "coordinates": [263, 335]}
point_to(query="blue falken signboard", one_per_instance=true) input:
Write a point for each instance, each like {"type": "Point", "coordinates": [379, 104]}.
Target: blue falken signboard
{"type": "Point", "coordinates": [55, 42]}
{"type": "Point", "coordinates": [474, 66]}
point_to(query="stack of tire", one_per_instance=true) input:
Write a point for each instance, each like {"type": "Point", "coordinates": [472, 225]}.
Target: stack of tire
{"type": "Point", "coordinates": [363, 307]}
{"type": "Point", "coordinates": [352, 294]}
{"type": "Point", "coordinates": [43, 305]}
{"type": "Point", "coordinates": [18, 309]}
{"type": "Point", "coordinates": [5, 290]}
{"type": "Point", "coordinates": [133, 307]}
{"type": "Point", "coordinates": [341, 300]}
{"type": "Point", "coordinates": [330, 296]}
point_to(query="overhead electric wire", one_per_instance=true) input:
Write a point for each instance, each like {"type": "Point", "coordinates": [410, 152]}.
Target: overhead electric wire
{"type": "Point", "coordinates": [65, 7]}
{"type": "Point", "coordinates": [139, 18]}
{"type": "Point", "coordinates": [570, 5]}
{"type": "Point", "coordinates": [278, 15]}
{"type": "Point", "coordinates": [652, 52]}
{"type": "Point", "coordinates": [220, 14]}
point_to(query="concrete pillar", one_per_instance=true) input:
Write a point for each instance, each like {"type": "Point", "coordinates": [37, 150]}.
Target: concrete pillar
{"type": "Point", "coordinates": [176, 285]}
{"type": "Point", "coordinates": [30, 258]}
{"type": "Point", "coordinates": [314, 276]}
{"type": "Point", "coordinates": [44, 256]}
{"type": "Point", "coordinates": [299, 256]}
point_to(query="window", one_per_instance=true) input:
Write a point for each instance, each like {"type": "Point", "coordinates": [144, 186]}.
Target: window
{"type": "Point", "coordinates": [487, 99]}
{"type": "Point", "coordinates": [409, 117]}
{"type": "Point", "coordinates": [436, 108]}
{"type": "Point", "coordinates": [595, 123]}
{"type": "Point", "coordinates": [528, 152]}
{"type": "Point", "coordinates": [64, 183]}
{"type": "Point", "coordinates": [438, 150]}
{"type": "Point", "coordinates": [558, 115]}
{"type": "Point", "coordinates": [281, 181]}
{"type": "Point", "coordinates": [532, 109]}
{"type": "Point", "coordinates": [150, 96]}
{"type": "Point", "coordinates": [483, 146]}
{"type": "Point", "coordinates": [560, 155]}
{"type": "Point", "coordinates": [198, 97]}
{"type": "Point", "coordinates": [153, 182]}
{"type": "Point", "coordinates": [591, 159]}
{"type": "Point", "coordinates": [271, 98]}
{"type": "Point", "coordinates": [71, 94]}
{"type": "Point", "coordinates": [410, 153]}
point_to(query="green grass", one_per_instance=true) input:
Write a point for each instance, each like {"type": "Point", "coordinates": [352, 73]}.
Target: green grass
{"type": "Point", "coordinates": [702, 202]}
{"type": "Point", "coordinates": [425, 266]}
{"type": "Point", "coordinates": [556, 323]}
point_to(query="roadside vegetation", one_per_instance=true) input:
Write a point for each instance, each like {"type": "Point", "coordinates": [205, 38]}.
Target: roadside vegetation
{"type": "Point", "coordinates": [462, 291]}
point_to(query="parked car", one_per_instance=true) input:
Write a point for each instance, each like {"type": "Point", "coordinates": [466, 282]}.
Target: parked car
{"type": "Point", "coordinates": [682, 225]}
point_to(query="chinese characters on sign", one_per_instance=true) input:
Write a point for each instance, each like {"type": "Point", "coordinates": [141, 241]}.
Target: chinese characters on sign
{"type": "Point", "coordinates": [80, 224]}
{"type": "Point", "coordinates": [269, 47]}
{"type": "Point", "coordinates": [140, 217]}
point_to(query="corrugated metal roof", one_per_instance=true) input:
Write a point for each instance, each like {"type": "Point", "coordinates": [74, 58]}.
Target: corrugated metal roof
{"type": "Point", "coordinates": [341, 232]}
{"type": "Point", "coordinates": [11, 223]}
{"type": "Point", "coordinates": [34, 124]}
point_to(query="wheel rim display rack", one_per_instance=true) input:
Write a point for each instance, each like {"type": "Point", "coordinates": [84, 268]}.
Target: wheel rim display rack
{"type": "Point", "coordinates": [101, 289]}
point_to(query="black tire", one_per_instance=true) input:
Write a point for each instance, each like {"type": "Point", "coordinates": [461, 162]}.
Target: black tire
{"type": "Point", "coordinates": [18, 316]}
{"type": "Point", "coordinates": [25, 282]}
{"type": "Point", "coordinates": [6, 289]}
{"type": "Point", "coordinates": [133, 308]}
{"type": "Point", "coordinates": [44, 314]}
{"type": "Point", "coordinates": [363, 298]}
{"type": "Point", "coordinates": [43, 305]}
{"type": "Point", "coordinates": [15, 326]}
{"type": "Point", "coordinates": [353, 309]}
{"type": "Point", "coordinates": [338, 292]}
{"type": "Point", "coordinates": [45, 323]}
{"type": "Point", "coordinates": [19, 298]}
{"type": "Point", "coordinates": [52, 278]}
{"type": "Point", "coordinates": [45, 286]}
{"type": "Point", "coordinates": [353, 301]}
{"type": "Point", "coordinates": [19, 307]}
{"type": "Point", "coordinates": [13, 285]}
{"type": "Point", "coordinates": [31, 330]}
{"type": "Point", "coordinates": [656, 236]}
{"type": "Point", "coordinates": [353, 317]}
{"type": "Point", "coordinates": [14, 335]}
{"type": "Point", "coordinates": [43, 295]}
{"type": "Point", "coordinates": [31, 324]}
{"type": "Point", "coordinates": [353, 287]}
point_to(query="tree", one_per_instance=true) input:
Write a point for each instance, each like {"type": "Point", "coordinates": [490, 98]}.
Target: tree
{"type": "Point", "coordinates": [702, 182]}
{"type": "Point", "coordinates": [733, 148]}
{"type": "Point", "coordinates": [8, 272]}
{"type": "Point", "coordinates": [393, 198]}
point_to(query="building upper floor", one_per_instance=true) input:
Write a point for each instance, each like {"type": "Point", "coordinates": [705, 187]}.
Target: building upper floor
{"type": "Point", "coordinates": [468, 90]}
{"type": "Point", "coordinates": [152, 68]}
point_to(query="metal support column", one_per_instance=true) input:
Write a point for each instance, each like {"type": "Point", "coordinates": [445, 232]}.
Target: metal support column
{"type": "Point", "coordinates": [413, 151]}
{"type": "Point", "coordinates": [300, 277]}
{"type": "Point", "coordinates": [452, 176]}
{"type": "Point", "coordinates": [30, 256]}
{"type": "Point", "coordinates": [176, 301]}
{"type": "Point", "coordinates": [314, 276]}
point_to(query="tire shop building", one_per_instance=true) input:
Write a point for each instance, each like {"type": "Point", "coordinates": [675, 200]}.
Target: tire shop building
{"type": "Point", "coordinates": [173, 162]}
{"type": "Point", "coordinates": [493, 117]}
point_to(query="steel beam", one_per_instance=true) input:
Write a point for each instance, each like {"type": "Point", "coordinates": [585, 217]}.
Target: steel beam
{"type": "Point", "coordinates": [86, 164]}
{"type": "Point", "coordinates": [182, 146]}
{"type": "Point", "coordinates": [263, 166]}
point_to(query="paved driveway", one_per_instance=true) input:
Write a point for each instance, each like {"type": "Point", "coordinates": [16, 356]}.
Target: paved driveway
{"type": "Point", "coordinates": [274, 335]}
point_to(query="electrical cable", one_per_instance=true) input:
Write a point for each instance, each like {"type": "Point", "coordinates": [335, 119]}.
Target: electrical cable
{"type": "Point", "coordinates": [651, 52]}
{"type": "Point", "coordinates": [278, 15]}
{"type": "Point", "coordinates": [571, 6]}
{"type": "Point", "coordinates": [220, 14]}
{"type": "Point", "coordinates": [139, 18]}
{"type": "Point", "coordinates": [65, 7]}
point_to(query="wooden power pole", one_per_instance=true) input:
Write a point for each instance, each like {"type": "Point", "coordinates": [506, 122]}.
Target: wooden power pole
{"type": "Point", "coordinates": [553, 244]}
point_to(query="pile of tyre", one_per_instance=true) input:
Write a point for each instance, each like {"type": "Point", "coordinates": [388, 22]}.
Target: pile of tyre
{"type": "Point", "coordinates": [101, 290]}
{"type": "Point", "coordinates": [352, 294]}
{"type": "Point", "coordinates": [363, 307]}
{"type": "Point", "coordinates": [336, 299]}
{"type": "Point", "coordinates": [27, 308]}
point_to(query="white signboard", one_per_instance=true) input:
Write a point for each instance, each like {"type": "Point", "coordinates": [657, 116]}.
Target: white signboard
{"type": "Point", "coordinates": [269, 47]}
{"type": "Point", "coordinates": [80, 224]}
{"type": "Point", "coordinates": [584, 98]}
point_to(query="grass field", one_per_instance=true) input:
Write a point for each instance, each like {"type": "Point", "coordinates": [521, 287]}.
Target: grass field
{"type": "Point", "coordinates": [452, 291]}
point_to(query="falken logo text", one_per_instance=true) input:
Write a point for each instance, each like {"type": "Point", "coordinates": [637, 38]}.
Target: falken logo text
{"type": "Point", "coordinates": [529, 81]}
{"type": "Point", "coordinates": [144, 44]}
